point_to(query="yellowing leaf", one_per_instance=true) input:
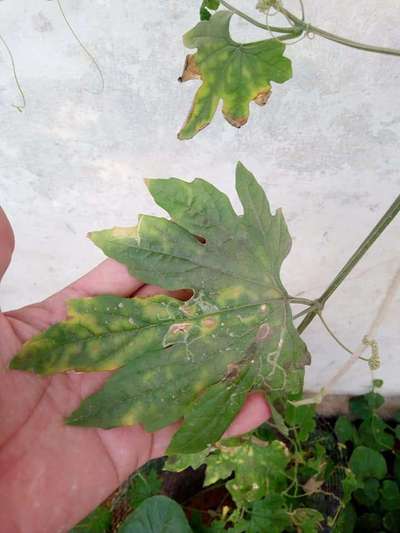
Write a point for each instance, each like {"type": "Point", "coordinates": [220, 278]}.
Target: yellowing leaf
{"type": "Point", "coordinates": [196, 359]}
{"type": "Point", "coordinates": [234, 72]}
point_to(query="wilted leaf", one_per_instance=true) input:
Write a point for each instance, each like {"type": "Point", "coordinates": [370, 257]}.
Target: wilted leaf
{"type": "Point", "coordinates": [197, 359]}
{"type": "Point", "coordinates": [235, 72]}
{"type": "Point", "coordinates": [258, 470]}
{"type": "Point", "coordinates": [307, 520]}
{"type": "Point", "coordinates": [157, 514]}
{"type": "Point", "coordinates": [178, 463]}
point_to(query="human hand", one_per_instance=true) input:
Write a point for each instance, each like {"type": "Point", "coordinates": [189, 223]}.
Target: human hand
{"type": "Point", "coordinates": [52, 475]}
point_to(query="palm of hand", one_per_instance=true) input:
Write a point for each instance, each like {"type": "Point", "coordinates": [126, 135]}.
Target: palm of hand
{"type": "Point", "coordinates": [51, 474]}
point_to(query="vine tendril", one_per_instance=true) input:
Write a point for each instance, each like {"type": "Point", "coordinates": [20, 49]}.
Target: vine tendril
{"type": "Point", "coordinates": [15, 75]}
{"type": "Point", "coordinates": [83, 47]}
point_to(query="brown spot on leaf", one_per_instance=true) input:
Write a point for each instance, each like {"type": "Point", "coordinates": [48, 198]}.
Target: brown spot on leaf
{"type": "Point", "coordinates": [190, 70]}
{"type": "Point", "coordinates": [237, 122]}
{"type": "Point", "coordinates": [232, 371]}
{"type": "Point", "coordinates": [183, 327]}
{"type": "Point", "coordinates": [209, 322]}
{"type": "Point", "coordinates": [263, 332]}
{"type": "Point", "coordinates": [262, 97]}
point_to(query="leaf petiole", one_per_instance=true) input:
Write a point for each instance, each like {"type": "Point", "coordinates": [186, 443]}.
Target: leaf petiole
{"type": "Point", "coordinates": [310, 28]}
{"type": "Point", "coordinates": [241, 14]}
{"type": "Point", "coordinates": [300, 26]}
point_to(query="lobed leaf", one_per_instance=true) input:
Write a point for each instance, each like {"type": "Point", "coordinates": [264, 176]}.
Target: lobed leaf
{"type": "Point", "coordinates": [234, 72]}
{"type": "Point", "coordinates": [196, 359]}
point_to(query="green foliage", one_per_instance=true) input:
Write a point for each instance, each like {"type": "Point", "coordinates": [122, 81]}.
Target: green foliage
{"type": "Point", "coordinates": [99, 521]}
{"type": "Point", "coordinates": [367, 463]}
{"type": "Point", "coordinates": [143, 486]}
{"type": "Point", "coordinates": [234, 72]}
{"type": "Point", "coordinates": [269, 514]}
{"type": "Point", "coordinates": [302, 419]}
{"type": "Point", "coordinates": [345, 430]}
{"type": "Point", "coordinates": [206, 7]}
{"type": "Point", "coordinates": [157, 514]}
{"type": "Point", "coordinates": [390, 496]}
{"type": "Point", "coordinates": [275, 485]}
{"type": "Point", "coordinates": [197, 359]}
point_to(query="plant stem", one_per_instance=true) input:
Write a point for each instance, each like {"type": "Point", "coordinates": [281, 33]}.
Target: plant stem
{"type": "Point", "coordinates": [310, 28]}
{"type": "Point", "coordinates": [354, 259]}
{"type": "Point", "coordinates": [14, 70]}
{"type": "Point", "coordinates": [255, 22]}
{"type": "Point", "coordinates": [300, 26]}
{"type": "Point", "coordinates": [301, 301]}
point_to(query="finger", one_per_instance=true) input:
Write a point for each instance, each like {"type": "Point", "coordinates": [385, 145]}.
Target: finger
{"type": "Point", "coordinates": [254, 412]}
{"type": "Point", "coordinates": [110, 277]}
{"type": "Point", "coordinates": [7, 242]}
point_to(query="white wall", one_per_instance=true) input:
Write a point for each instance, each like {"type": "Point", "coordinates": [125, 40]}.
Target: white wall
{"type": "Point", "coordinates": [326, 149]}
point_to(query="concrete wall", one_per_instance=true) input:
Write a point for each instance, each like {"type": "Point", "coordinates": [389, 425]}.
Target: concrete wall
{"type": "Point", "coordinates": [326, 149]}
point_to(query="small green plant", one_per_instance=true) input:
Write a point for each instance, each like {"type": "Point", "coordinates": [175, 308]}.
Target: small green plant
{"type": "Point", "coordinates": [343, 475]}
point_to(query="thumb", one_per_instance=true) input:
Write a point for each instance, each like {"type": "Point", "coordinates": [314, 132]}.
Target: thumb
{"type": "Point", "coordinates": [6, 242]}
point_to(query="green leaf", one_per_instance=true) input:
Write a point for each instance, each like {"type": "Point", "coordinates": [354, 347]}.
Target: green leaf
{"type": "Point", "coordinates": [197, 359]}
{"type": "Point", "coordinates": [302, 418]}
{"type": "Point", "coordinates": [344, 429]}
{"type": "Point", "coordinates": [258, 470]}
{"type": "Point", "coordinates": [205, 8]}
{"type": "Point", "coordinates": [373, 433]}
{"type": "Point", "coordinates": [307, 520]}
{"type": "Point", "coordinates": [235, 72]}
{"type": "Point", "coordinates": [364, 406]}
{"type": "Point", "coordinates": [369, 523]}
{"type": "Point", "coordinates": [98, 521]}
{"type": "Point", "coordinates": [157, 514]}
{"type": "Point", "coordinates": [269, 514]}
{"type": "Point", "coordinates": [350, 484]}
{"type": "Point", "coordinates": [397, 467]}
{"type": "Point", "coordinates": [178, 463]}
{"type": "Point", "coordinates": [369, 493]}
{"type": "Point", "coordinates": [143, 486]}
{"type": "Point", "coordinates": [367, 463]}
{"type": "Point", "coordinates": [390, 496]}
{"type": "Point", "coordinates": [391, 521]}
{"type": "Point", "coordinates": [346, 521]}
{"type": "Point", "coordinates": [377, 383]}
